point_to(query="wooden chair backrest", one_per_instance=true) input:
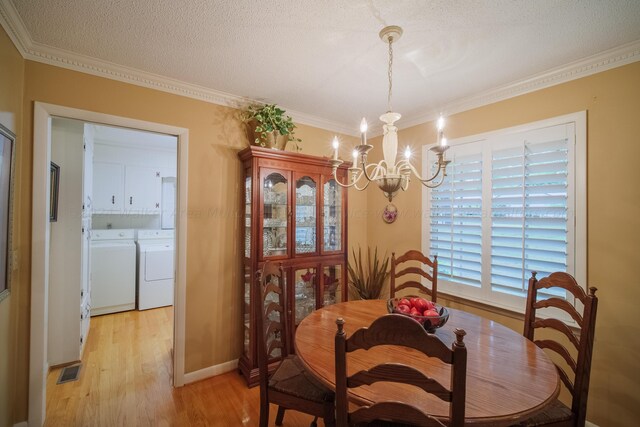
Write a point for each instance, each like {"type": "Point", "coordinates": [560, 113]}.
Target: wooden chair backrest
{"type": "Point", "coordinates": [396, 329]}
{"type": "Point", "coordinates": [271, 324]}
{"type": "Point", "coordinates": [396, 273]}
{"type": "Point", "coordinates": [578, 386]}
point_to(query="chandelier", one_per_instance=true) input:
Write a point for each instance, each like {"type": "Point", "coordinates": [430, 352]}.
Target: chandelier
{"type": "Point", "coordinates": [390, 174]}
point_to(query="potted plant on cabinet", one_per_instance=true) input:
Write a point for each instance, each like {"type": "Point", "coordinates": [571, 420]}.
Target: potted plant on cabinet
{"type": "Point", "coordinates": [269, 126]}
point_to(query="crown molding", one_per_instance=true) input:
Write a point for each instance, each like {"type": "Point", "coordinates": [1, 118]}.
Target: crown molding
{"type": "Point", "coordinates": [15, 28]}
{"type": "Point", "coordinates": [603, 61]}
{"type": "Point", "coordinates": [34, 51]}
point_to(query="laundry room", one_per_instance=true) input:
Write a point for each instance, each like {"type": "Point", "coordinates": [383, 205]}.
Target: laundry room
{"type": "Point", "coordinates": [113, 212]}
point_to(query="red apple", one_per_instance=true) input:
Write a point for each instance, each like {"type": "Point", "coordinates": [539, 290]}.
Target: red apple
{"type": "Point", "coordinates": [403, 308]}
{"type": "Point", "coordinates": [429, 305]}
{"type": "Point", "coordinates": [404, 301]}
{"type": "Point", "coordinates": [424, 304]}
{"type": "Point", "coordinates": [434, 316]}
{"type": "Point", "coordinates": [430, 313]}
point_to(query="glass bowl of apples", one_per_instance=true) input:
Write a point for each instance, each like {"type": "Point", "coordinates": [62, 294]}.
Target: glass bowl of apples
{"type": "Point", "coordinates": [432, 316]}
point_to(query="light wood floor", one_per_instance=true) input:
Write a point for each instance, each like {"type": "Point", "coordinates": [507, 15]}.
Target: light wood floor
{"type": "Point", "coordinates": [125, 380]}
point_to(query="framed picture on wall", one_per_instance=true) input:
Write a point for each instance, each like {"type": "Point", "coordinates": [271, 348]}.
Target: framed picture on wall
{"type": "Point", "coordinates": [54, 181]}
{"type": "Point", "coordinates": [7, 142]}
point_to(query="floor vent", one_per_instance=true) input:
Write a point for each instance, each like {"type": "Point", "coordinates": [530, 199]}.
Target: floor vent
{"type": "Point", "coordinates": [70, 373]}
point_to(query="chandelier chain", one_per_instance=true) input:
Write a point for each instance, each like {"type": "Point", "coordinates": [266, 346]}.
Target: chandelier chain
{"type": "Point", "coordinates": [390, 74]}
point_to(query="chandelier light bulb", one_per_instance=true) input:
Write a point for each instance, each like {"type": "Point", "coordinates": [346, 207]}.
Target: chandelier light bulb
{"type": "Point", "coordinates": [363, 125]}
{"type": "Point", "coordinates": [407, 152]}
{"type": "Point", "coordinates": [443, 141]}
{"type": "Point", "coordinates": [440, 123]}
{"type": "Point", "coordinates": [355, 157]}
{"type": "Point", "coordinates": [336, 144]}
{"type": "Point", "coordinates": [363, 131]}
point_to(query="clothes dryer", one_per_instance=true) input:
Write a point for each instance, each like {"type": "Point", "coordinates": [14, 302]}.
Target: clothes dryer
{"type": "Point", "coordinates": [155, 268]}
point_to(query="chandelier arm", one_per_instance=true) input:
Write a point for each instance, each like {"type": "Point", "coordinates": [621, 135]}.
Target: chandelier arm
{"type": "Point", "coordinates": [374, 174]}
{"type": "Point", "coordinates": [405, 183]}
{"type": "Point", "coordinates": [419, 177]}
{"type": "Point", "coordinates": [361, 188]}
{"type": "Point", "coordinates": [353, 183]}
{"type": "Point", "coordinates": [438, 184]}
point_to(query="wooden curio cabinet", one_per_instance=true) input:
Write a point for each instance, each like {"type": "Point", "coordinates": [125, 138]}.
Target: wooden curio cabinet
{"type": "Point", "coordinates": [294, 214]}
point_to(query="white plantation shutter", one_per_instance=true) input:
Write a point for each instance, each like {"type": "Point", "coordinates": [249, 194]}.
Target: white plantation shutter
{"type": "Point", "coordinates": [456, 218]}
{"type": "Point", "coordinates": [512, 203]}
{"type": "Point", "coordinates": [529, 205]}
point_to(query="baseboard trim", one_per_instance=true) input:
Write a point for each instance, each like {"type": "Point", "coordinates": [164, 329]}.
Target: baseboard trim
{"type": "Point", "coordinates": [210, 371]}
{"type": "Point", "coordinates": [589, 424]}
{"type": "Point", "coordinates": [21, 424]}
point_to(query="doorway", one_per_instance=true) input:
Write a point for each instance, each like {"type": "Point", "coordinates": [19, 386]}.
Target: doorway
{"type": "Point", "coordinates": [41, 239]}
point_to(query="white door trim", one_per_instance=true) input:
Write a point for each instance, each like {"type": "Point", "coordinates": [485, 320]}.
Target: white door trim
{"type": "Point", "coordinates": [40, 244]}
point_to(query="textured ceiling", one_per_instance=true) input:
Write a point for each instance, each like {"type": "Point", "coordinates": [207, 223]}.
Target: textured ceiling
{"type": "Point", "coordinates": [324, 58]}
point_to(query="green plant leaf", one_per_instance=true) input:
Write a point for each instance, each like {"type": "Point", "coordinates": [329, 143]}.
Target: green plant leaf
{"type": "Point", "coordinates": [271, 118]}
{"type": "Point", "coordinates": [367, 281]}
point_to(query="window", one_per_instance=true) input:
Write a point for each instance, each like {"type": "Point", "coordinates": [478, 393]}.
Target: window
{"type": "Point", "coordinates": [513, 202]}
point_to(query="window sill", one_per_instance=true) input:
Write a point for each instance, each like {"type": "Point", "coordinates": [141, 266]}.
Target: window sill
{"type": "Point", "coordinates": [486, 307]}
{"type": "Point", "coordinates": [497, 310]}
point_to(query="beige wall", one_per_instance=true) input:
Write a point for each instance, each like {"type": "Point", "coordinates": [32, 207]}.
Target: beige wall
{"type": "Point", "coordinates": [11, 84]}
{"type": "Point", "coordinates": [213, 332]}
{"type": "Point", "coordinates": [612, 100]}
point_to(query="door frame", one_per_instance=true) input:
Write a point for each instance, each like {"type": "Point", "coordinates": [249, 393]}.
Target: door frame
{"type": "Point", "coordinates": [40, 236]}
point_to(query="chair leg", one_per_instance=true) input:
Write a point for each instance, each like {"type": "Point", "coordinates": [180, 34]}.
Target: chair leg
{"type": "Point", "coordinates": [329, 415]}
{"type": "Point", "coordinates": [280, 416]}
{"type": "Point", "coordinates": [264, 415]}
{"type": "Point", "coordinates": [314, 423]}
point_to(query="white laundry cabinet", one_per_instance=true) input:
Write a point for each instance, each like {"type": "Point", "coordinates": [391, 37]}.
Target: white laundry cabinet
{"type": "Point", "coordinates": [128, 180]}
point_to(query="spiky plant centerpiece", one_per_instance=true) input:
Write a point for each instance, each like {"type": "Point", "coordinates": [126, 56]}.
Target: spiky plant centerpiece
{"type": "Point", "coordinates": [366, 279]}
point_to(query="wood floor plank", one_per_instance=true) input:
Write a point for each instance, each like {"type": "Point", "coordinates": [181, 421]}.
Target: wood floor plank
{"type": "Point", "coordinates": [126, 377]}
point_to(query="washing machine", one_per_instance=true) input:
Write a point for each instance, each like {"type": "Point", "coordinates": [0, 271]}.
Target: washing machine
{"type": "Point", "coordinates": [155, 268]}
{"type": "Point", "coordinates": [113, 271]}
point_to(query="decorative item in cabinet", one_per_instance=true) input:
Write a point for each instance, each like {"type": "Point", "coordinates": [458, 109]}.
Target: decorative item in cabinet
{"type": "Point", "coordinates": [304, 293]}
{"type": "Point", "coordinates": [275, 215]}
{"type": "Point", "coordinates": [306, 213]}
{"type": "Point", "coordinates": [294, 214]}
{"type": "Point", "coordinates": [332, 285]}
{"type": "Point", "coordinates": [332, 216]}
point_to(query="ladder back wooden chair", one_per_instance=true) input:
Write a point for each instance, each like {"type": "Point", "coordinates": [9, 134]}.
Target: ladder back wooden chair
{"type": "Point", "coordinates": [578, 383]}
{"type": "Point", "coordinates": [290, 386]}
{"type": "Point", "coordinates": [396, 273]}
{"type": "Point", "coordinates": [396, 329]}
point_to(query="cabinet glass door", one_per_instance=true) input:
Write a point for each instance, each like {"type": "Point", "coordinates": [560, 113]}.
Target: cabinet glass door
{"type": "Point", "coordinates": [274, 226]}
{"type": "Point", "coordinates": [332, 284]}
{"type": "Point", "coordinates": [247, 309]}
{"type": "Point", "coordinates": [306, 213]}
{"type": "Point", "coordinates": [305, 293]}
{"type": "Point", "coordinates": [332, 224]}
{"type": "Point", "coordinates": [247, 215]}
{"type": "Point", "coordinates": [274, 315]}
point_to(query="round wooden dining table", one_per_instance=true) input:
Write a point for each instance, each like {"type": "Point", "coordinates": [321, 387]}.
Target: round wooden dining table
{"type": "Point", "coordinates": [508, 377]}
